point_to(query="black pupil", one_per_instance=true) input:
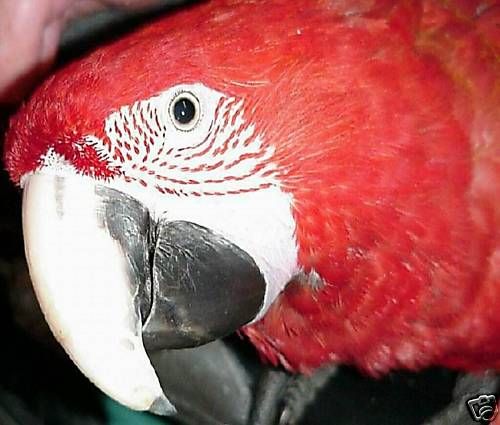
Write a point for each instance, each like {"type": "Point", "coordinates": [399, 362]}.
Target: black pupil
{"type": "Point", "coordinates": [184, 111]}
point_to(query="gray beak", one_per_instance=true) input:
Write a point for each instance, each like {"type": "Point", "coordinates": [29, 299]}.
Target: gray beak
{"type": "Point", "coordinates": [113, 281]}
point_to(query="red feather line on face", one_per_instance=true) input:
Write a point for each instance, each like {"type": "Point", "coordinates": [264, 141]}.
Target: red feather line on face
{"type": "Point", "coordinates": [139, 141]}
{"type": "Point", "coordinates": [384, 122]}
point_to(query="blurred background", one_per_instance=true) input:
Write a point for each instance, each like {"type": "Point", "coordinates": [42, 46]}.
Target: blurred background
{"type": "Point", "coordinates": [40, 385]}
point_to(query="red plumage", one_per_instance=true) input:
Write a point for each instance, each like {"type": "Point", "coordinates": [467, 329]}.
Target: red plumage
{"type": "Point", "coordinates": [385, 118]}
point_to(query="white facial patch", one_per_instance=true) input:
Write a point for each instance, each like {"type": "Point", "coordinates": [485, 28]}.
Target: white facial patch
{"type": "Point", "coordinates": [216, 171]}
{"type": "Point", "coordinates": [222, 154]}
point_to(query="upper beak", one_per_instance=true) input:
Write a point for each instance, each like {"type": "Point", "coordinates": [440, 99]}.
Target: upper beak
{"type": "Point", "coordinates": [112, 281]}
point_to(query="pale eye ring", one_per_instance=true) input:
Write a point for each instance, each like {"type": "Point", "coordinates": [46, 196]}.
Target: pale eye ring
{"type": "Point", "coordinates": [184, 111]}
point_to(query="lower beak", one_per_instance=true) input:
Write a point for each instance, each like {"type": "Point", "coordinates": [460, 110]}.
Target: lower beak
{"type": "Point", "coordinates": [112, 282]}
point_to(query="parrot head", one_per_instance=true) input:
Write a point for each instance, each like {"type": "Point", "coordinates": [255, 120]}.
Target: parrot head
{"type": "Point", "coordinates": [178, 179]}
{"type": "Point", "coordinates": [154, 212]}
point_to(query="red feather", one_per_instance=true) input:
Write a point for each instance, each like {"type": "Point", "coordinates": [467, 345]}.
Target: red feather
{"type": "Point", "coordinates": [396, 194]}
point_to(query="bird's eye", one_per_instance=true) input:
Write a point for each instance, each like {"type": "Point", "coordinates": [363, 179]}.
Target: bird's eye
{"type": "Point", "coordinates": [185, 111]}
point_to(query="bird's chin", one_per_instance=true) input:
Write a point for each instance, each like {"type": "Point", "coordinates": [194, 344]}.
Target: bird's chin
{"type": "Point", "coordinates": [114, 283]}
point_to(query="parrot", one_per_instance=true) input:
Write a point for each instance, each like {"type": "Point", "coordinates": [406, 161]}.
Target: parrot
{"type": "Point", "coordinates": [320, 176]}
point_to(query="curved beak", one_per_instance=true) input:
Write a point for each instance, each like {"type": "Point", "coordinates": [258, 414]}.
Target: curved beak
{"type": "Point", "coordinates": [113, 282]}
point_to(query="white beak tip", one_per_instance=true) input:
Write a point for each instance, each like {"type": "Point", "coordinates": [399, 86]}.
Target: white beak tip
{"type": "Point", "coordinates": [161, 406]}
